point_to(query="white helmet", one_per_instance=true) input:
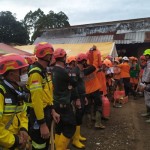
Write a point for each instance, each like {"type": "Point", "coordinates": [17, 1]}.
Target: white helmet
{"type": "Point", "coordinates": [125, 58]}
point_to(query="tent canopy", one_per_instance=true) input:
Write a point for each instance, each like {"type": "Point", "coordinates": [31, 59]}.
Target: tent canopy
{"type": "Point", "coordinates": [6, 49]}
{"type": "Point", "coordinates": [107, 48]}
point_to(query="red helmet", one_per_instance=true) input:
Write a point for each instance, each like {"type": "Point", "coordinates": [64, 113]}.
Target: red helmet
{"type": "Point", "coordinates": [31, 59]}
{"type": "Point", "coordinates": [59, 53]}
{"type": "Point", "coordinates": [81, 57]}
{"type": "Point", "coordinates": [70, 59]}
{"type": "Point", "coordinates": [107, 62]}
{"type": "Point", "coordinates": [42, 49]}
{"type": "Point", "coordinates": [12, 62]}
{"type": "Point", "coordinates": [142, 57]}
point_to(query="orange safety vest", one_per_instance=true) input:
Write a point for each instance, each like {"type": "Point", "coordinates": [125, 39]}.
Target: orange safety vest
{"type": "Point", "coordinates": [91, 83]}
{"type": "Point", "coordinates": [94, 58]}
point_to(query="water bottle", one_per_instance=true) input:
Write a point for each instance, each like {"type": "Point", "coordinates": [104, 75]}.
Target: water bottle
{"type": "Point", "coordinates": [36, 125]}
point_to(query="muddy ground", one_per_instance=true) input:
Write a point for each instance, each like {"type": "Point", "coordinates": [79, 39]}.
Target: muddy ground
{"type": "Point", "coordinates": [126, 130]}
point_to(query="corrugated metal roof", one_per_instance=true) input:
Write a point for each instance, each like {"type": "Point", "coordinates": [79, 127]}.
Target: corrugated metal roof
{"type": "Point", "coordinates": [129, 38]}
{"type": "Point", "coordinates": [74, 40]}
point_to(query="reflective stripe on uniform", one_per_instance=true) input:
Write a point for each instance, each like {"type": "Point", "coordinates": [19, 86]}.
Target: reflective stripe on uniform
{"type": "Point", "coordinates": [32, 88]}
{"type": "Point", "coordinates": [1, 87]}
{"type": "Point", "coordinates": [12, 108]}
{"type": "Point", "coordinates": [38, 146]}
{"type": "Point", "coordinates": [35, 69]}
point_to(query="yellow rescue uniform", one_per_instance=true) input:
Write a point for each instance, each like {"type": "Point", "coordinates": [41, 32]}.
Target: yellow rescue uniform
{"type": "Point", "coordinates": [8, 107]}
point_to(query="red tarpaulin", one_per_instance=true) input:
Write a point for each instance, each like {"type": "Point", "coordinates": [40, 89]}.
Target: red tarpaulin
{"type": "Point", "coordinates": [6, 49]}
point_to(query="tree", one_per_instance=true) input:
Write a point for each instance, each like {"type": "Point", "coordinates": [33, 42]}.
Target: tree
{"type": "Point", "coordinates": [37, 21]}
{"type": "Point", "coordinates": [12, 31]}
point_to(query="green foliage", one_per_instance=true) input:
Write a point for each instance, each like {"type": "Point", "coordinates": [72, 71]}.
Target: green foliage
{"type": "Point", "coordinates": [12, 31]}
{"type": "Point", "coordinates": [37, 21]}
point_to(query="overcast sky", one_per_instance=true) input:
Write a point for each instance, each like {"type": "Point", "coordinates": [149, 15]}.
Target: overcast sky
{"type": "Point", "coordinates": [82, 11]}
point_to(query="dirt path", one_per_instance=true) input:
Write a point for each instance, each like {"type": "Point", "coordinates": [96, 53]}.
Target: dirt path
{"type": "Point", "coordinates": [126, 130]}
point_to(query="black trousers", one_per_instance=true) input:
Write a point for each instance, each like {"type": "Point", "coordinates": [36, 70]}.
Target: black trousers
{"type": "Point", "coordinates": [80, 111]}
{"type": "Point", "coordinates": [128, 87]}
{"type": "Point", "coordinates": [67, 124]}
{"type": "Point", "coordinates": [94, 98]}
{"type": "Point", "coordinates": [35, 132]}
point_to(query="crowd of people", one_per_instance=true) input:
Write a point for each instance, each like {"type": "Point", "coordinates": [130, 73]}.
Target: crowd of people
{"type": "Point", "coordinates": [54, 87]}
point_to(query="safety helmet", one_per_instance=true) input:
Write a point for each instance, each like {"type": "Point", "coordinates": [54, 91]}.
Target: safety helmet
{"type": "Point", "coordinates": [70, 59]}
{"type": "Point", "coordinates": [107, 62]}
{"type": "Point", "coordinates": [12, 62]}
{"type": "Point", "coordinates": [125, 58]}
{"type": "Point", "coordinates": [131, 58]}
{"type": "Point", "coordinates": [142, 57]}
{"type": "Point", "coordinates": [59, 53]}
{"type": "Point", "coordinates": [42, 49]}
{"type": "Point", "coordinates": [146, 52]}
{"type": "Point", "coordinates": [30, 59]}
{"type": "Point", "coordinates": [135, 59]}
{"type": "Point", "coordinates": [81, 57]}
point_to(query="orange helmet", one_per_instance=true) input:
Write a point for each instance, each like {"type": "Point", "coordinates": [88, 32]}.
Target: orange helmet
{"type": "Point", "coordinates": [131, 58]}
{"type": "Point", "coordinates": [59, 53]}
{"type": "Point", "coordinates": [135, 59]}
{"type": "Point", "coordinates": [142, 57]}
{"type": "Point", "coordinates": [42, 49]}
{"type": "Point", "coordinates": [70, 59]}
{"type": "Point", "coordinates": [30, 59]}
{"type": "Point", "coordinates": [81, 57]}
{"type": "Point", "coordinates": [107, 62]}
{"type": "Point", "coordinates": [12, 62]}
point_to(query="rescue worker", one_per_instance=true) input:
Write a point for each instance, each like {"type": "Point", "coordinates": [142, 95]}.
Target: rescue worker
{"type": "Point", "coordinates": [125, 75]}
{"type": "Point", "coordinates": [134, 72]}
{"type": "Point", "coordinates": [78, 98]}
{"type": "Point", "coordinates": [40, 86]}
{"type": "Point", "coordinates": [102, 79]}
{"type": "Point", "coordinates": [13, 117]}
{"type": "Point", "coordinates": [109, 75]}
{"type": "Point", "coordinates": [142, 65]}
{"type": "Point", "coordinates": [145, 85]}
{"type": "Point", "coordinates": [63, 84]}
{"type": "Point", "coordinates": [94, 57]}
{"type": "Point", "coordinates": [92, 90]}
{"type": "Point", "coordinates": [116, 75]}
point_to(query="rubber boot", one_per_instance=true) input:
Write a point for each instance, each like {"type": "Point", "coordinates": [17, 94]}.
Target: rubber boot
{"type": "Point", "coordinates": [62, 143]}
{"type": "Point", "coordinates": [148, 120]}
{"type": "Point", "coordinates": [76, 142]}
{"type": "Point", "coordinates": [81, 138]}
{"type": "Point", "coordinates": [56, 139]}
{"type": "Point", "coordinates": [98, 123]}
{"type": "Point", "coordinates": [147, 114]}
{"type": "Point", "coordinates": [89, 120]}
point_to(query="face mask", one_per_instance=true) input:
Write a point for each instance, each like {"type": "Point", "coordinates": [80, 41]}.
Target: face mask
{"type": "Point", "coordinates": [23, 80]}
